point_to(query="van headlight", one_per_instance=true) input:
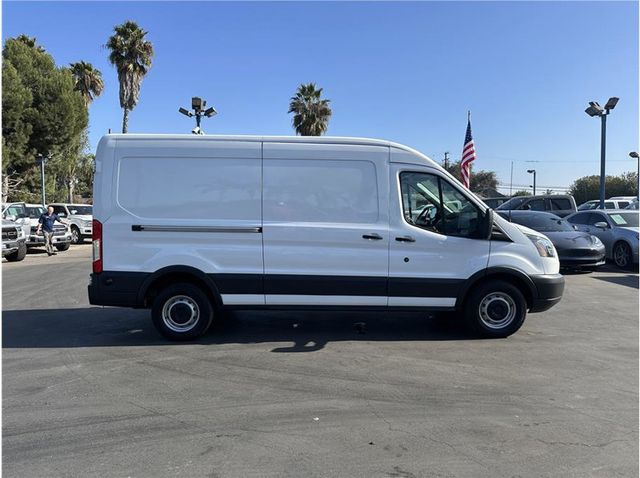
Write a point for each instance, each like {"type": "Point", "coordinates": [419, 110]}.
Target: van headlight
{"type": "Point", "coordinates": [544, 246]}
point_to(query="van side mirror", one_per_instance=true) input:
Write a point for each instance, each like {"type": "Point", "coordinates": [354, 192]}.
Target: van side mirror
{"type": "Point", "coordinates": [486, 226]}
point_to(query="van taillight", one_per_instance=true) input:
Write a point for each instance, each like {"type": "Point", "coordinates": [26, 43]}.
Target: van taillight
{"type": "Point", "coordinates": [96, 237]}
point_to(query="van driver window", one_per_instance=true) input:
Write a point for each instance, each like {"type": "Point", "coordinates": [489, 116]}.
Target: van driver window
{"type": "Point", "coordinates": [431, 203]}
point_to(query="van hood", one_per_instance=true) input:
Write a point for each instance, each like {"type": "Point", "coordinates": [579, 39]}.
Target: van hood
{"type": "Point", "coordinates": [528, 231]}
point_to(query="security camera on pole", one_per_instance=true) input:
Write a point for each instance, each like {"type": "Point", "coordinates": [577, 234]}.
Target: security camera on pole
{"type": "Point", "coordinates": [594, 110]}
{"type": "Point", "coordinates": [198, 106]}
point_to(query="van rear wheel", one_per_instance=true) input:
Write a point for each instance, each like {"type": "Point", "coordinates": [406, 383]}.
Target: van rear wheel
{"type": "Point", "coordinates": [495, 309]}
{"type": "Point", "coordinates": [182, 312]}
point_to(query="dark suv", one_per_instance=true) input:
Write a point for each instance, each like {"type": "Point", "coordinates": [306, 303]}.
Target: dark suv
{"type": "Point", "coordinates": [558, 204]}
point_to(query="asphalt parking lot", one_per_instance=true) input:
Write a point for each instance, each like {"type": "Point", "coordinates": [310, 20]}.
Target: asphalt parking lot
{"type": "Point", "coordinates": [90, 391]}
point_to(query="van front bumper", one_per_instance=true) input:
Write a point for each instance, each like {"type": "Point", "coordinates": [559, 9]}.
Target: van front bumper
{"type": "Point", "coordinates": [549, 289]}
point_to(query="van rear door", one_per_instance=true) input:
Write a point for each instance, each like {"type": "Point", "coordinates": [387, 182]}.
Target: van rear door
{"type": "Point", "coordinates": [325, 224]}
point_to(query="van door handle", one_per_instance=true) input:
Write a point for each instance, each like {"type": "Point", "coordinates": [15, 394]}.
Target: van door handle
{"type": "Point", "coordinates": [405, 239]}
{"type": "Point", "coordinates": [373, 236]}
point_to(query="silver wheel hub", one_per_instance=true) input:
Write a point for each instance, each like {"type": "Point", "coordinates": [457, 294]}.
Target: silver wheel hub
{"type": "Point", "coordinates": [497, 310]}
{"type": "Point", "coordinates": [180, 313]}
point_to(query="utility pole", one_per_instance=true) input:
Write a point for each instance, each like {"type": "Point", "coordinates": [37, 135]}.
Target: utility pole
{"type": "Point", "coordinates": [446, 160]}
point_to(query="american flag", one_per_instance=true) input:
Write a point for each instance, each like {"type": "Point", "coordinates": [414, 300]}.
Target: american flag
{"type": "Point", "coordinates": [468, 154]}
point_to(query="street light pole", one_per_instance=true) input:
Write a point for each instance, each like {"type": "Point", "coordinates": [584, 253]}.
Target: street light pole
{"type": "Point", "coordinates": [593, 110]}
{"type": "Point", "coordinates": [533, 171]}
{"type": "Point", "coordinates": [635, 155]}
{"type": "Point", "coordinates": [603, 154]}
{"type": "Point", "coordinates": [42, 160]}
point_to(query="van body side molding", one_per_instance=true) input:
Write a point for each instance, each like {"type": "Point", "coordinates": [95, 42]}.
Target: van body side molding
{"type": "Point", "coordinates": [219, 229]}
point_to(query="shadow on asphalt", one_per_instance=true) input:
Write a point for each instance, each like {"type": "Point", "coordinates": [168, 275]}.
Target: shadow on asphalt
{"type": "Point", "coordinates": [629, 280]}
{"type": "Point", "coordinates": [308, 331]}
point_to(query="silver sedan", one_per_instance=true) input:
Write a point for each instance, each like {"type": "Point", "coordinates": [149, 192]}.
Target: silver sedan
{"type": "Point", "coordinates": [617, 229]}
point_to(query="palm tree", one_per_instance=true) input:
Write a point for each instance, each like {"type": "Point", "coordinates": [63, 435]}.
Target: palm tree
{"type": "Point", "coordinates": [88, 80]}
{"type": "Point", "coordinates": [311, 114]}
{"type": "Point", "coordinates": [131, 54]}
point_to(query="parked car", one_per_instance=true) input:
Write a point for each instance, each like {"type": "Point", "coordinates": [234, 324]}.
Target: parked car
{"type": "Point", "coordinates": [61, 233]}
{"type": "Point", "coordinates": [617, 229]}
{"type": "Point", "coordinates": [633, 204]}
{"type": "Point", "coordinates": [80, 217]}
{"type": "Point", "coordinates": [26, 217]}
{"type": "Point", "coordinates": [17, 213]}
{"type": "Point", "coordinates": [558, 204]}
{"type": "Point", "coordinates": [575, 248]}
{"type": "Point", "coordinates": [608, 204]}
{"type": "Point", "coordinates": [185, 225]}
{"type": "Point", "coordinates": [13, 241]}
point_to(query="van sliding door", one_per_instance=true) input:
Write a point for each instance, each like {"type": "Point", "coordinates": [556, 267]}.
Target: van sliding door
{"type": "Point", "coordinates": [325, 224]}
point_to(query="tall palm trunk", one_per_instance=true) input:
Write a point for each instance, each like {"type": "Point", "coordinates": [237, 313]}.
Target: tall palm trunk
{"type": "Point", "coordinates": [125, 121]}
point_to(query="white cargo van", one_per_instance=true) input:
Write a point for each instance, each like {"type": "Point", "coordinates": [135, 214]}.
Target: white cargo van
{"type": "Point", "coordinates": [187, 225]}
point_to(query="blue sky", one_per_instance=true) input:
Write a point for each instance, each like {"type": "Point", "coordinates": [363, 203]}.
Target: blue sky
{"type": "Point", "coordinates": [407, 72]}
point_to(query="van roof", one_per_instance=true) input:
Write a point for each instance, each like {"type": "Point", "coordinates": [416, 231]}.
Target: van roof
{"type": "Point", "coordinates": [268, 139]}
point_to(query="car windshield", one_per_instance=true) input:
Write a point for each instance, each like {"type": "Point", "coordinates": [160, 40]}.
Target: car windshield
{"type": "Point", "coordinates": [35, 212]}
{"type": "Point", "coordinates": [543, 223]}
{"type": "Point", "coordinates": [513, 203]}
{"type": "Point", "coordinates": [588, 205]}
{"type": "Point", "coordinates": [81, 210]}
{"type": "Point", "coordinates": [624, 219]}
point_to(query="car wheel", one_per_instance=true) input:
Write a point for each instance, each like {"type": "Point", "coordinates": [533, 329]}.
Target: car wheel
{"type": "Point", "coordinates": [63, 247]}
{"type": "Point", "coordinates": [495, 309]}
{"type": "Point", "coordinates": [182, 312]}
{"type": "Point", "coordinates": [622, 255]}
{"type": "Point", "coordinates": [19, 254]}
{"type": "Point", "coordinates": [76, 237]}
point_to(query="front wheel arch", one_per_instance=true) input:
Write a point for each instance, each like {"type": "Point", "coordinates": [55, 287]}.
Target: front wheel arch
{"type": "Point", "coordinates": [512, 276]}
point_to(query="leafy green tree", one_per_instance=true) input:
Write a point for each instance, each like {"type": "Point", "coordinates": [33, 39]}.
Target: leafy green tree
{"type": "Point", "coordinates": [131, 54]}
{"type": "Point", "coordinates": [521, 192]}
{"type": "Point", "coordinates": [587, 188]}
{"type": "Point", "coordinates": [41, 114]}
{"type": "Point", "coordinates": [480, 182]}
{"type": "Point", "coordinates": [310, 113]}
{"type": "Point", "coordinates": [88, 80]}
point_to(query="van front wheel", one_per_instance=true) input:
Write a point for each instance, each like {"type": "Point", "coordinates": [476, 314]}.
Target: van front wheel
{"type": "Point", "coordinates": [182, 312]}
{"type": "Point", "coordinates": [495, 309]}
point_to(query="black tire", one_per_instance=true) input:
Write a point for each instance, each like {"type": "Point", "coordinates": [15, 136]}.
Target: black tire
{"type": "Point", "coordinates": [63, 247]}
{"type": "Point", "coordinates": [182, 312]}
{"type": "Point", "coordinates": [495, 309]}
{"type": "Point", "coordinates": [622, 255]}
{"type": "Point", "coordinates": [76, 237]}
{"type": "Point", "coordinates": [19, 254]}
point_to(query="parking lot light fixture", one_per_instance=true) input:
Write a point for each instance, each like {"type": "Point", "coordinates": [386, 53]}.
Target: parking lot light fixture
{"type": "Point", "coordinates": [198, 110]}
{"type": "Point", "coordinates": [595, 110]}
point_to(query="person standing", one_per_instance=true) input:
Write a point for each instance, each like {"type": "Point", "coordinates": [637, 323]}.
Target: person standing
{"type": "Point", "coordinates": [45, 223]}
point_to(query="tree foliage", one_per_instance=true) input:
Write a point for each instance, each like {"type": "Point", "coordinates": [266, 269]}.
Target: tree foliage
{"type": "Point", "coordinates": [480, 182]}
{"type": "Point", "coordinates": [42, 114]}
{"type": "Point", "coordinates": [587, 188]}
{"type": "Point", "coordinates": [87, 80]}
{"type": "Point", "coordinates": [311, 113]}
{"type": "Point", "coordinates": [522, 192]}
{"type": "Point", "coordinates": [131, 54]}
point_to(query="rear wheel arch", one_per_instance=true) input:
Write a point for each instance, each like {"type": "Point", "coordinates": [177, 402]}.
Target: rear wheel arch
{"type": "Point", "coordinates": [167, 276]}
